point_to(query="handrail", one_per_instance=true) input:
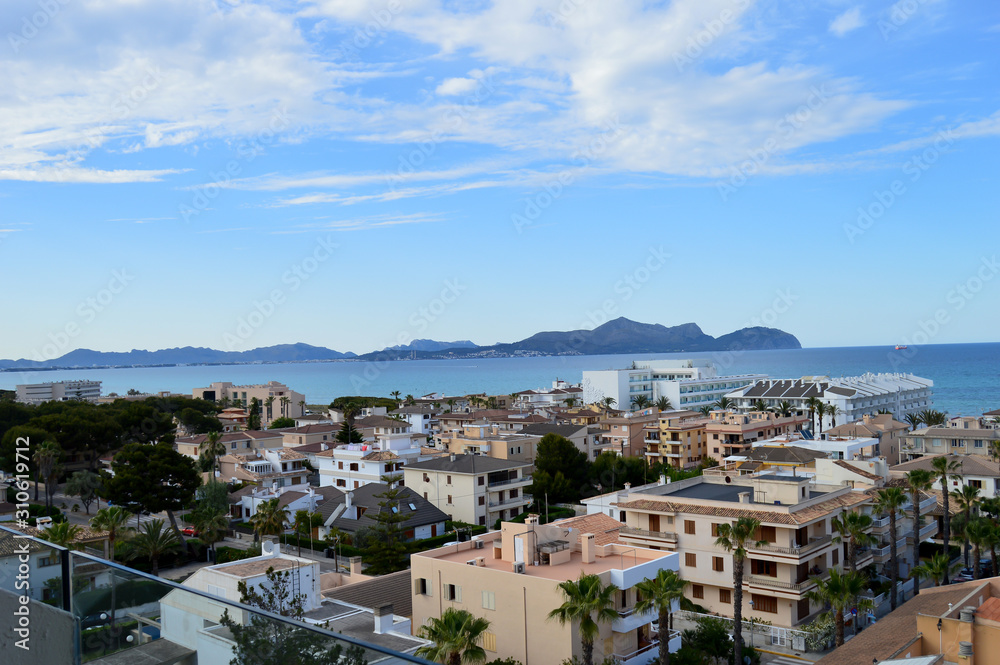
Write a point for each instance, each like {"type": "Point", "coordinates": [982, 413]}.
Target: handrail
{"type": "Point", "coordinates": [633, 531]}
{"type": "Point", "coordinates": [822, 541]}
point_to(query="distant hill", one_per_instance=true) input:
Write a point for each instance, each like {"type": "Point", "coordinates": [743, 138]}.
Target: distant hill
{"type": "Point", "coordinates": [81, 358]}
{"type": "Point", "coordinates": [432, 345]}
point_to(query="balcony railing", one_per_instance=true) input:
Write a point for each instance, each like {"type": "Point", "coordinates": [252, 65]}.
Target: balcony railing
{"type": "Point", "coordinates": [512, 481]}
{"type": "Point", "coordinates": [510, 502]}
{"type": "Point", "coordinates": [649, 648]}
{"type": "Point", "coordinates": [633, 531]}
{"type": "Point", "coordinates": [784, 584]}
{"type": "Point", "coordinates": [880, 523]}
{"type": "Point", "coordinates": [925, 531]}
{"type": "Point", "coordinates": [809, 547]}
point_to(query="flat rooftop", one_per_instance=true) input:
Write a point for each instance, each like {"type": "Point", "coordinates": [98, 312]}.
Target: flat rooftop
{"type": "Point", "coordinates": [254, 568]}
{"type": "Point", "coordinates": [359, 624]}
{"type": "Point", "coordinates": [724, 492]}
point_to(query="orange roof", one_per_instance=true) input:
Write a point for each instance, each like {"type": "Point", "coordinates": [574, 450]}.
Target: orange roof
{"type": "Point", "coordinates": [990, 610]}
{"type": "Point", "coordinates": [604, 528]}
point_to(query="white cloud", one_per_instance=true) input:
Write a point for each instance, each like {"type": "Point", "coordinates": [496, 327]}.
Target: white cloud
{"type": "Point", "coordinates": [846, 22]}
{"type": "Point", "coordinates": [457, 86]}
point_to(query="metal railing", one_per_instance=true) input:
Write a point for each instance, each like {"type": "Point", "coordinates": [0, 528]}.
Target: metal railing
{"type": "Point", "coordinates": [633, 531]}
{"type": "Point", "coordinates": [809, 547]}
{"type": "Point", "coordinates": [511, 481]}
{"type": "Point", "coordinates": [510, 502]}
{"type": "Point", "coordinates": [783, 584]}
{"type": "Point", "coordinates": [655, 644]}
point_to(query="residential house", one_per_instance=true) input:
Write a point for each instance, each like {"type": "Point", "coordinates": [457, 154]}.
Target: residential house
{"type": "Point", "coordinates": [626, 435]}
{"type": "Point", "coordinates": [239, 442]}
{"type": "Point", "coordinates": [729, 433]}
{"type": "Point", "coordinates": [975, 470]}
{"type": "Point", "coordinates": [489, 441]}
{"type": "Point", "coordinates": [891, 433]}
{"type": "Point", "coordinates": [286, 403]}
{"type": "Point", "coordinates": [360, 508]}
{"type": "Point", "coordinates": [677, 439]}
{"type": "Point", "coordinates": [511, 577]}
{"type": "Point", "coordinates": [587, 439]}
{"type": "Point", "coordinates": [950, 440]}
{"type": "Point", "coordinates": [282, 467]}
{"type": "Point", "coordinates": [307, 434]}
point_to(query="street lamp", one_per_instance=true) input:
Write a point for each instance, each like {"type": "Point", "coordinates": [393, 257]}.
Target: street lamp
{"type": "Point", "coordinates": [751, 623]}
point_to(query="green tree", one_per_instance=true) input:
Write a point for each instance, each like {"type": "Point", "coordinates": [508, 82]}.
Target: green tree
{"type": "Point", "coordinates": [211, 449]}
{"type": "Point", "coordinates": [785, 409]}
{"type": "Point", "coordinates": [833, 411]}
{"type": "Point", "coordinates": [270, 519]}
{"type": "Point", "coordinates": [114, 520]}
{"type": "Point", "coordinates": [86, 485]}
{"type": "Point", "coordinates": [587, 603]}
{"type": "Point", "coordinates": [891, 500]}
{"type": "Point", "coordinates": [152, 478]}
{"type": "Point", "coordinates": [937, 568]}
{"type": "Point", "coordinates": [151, 542]}
{"type": "Point", "coordinates": [735, 538]}
{"type": "Point", "coordinates": [761, 405]}
{"type": "Point", "coordinates": [913, 420]}
{"type": "Point", "coordinates": [560, 470]}
{"type": "Point", "coordinates": [212, 525]}
{"type": "Point", "coordinates": [640, 402]}
{"type": "Point", "coordinates": [303, 523]}
{"type": "Point", "coordinates": [840, 592]}
{"type": "Point", "coordinates": [608, 402]}
{"type": "Point", "coordinates": [456, 636]}
{"type": "Point", "coordinates": [386, 551]}
{"type": "Point", "coordinates": [264, 641]}
{"type": "Point", "coordinates": [348, 434]}
{"type": "Point", "coordinates": [705, 410]}
{"type": "Point", "coordinates": [933, 418]}
{"type": "Point", "coordinates": [852, 528]}
{"type": "Point", "coordinates": [663, 404]}
{"type": "Point", "coordinates": [821, 410]}
{"type": "Point", "coordinates": [46, 458]}
{"type": "Point", "coordinates": [213, 496]}
{"type": "Point", "coordinates": [63, 534]}
{"type": "Point", "coordinates": [977, 532]}
{"type": "Point", "coordinates": [253, 416]}
{"type": "Point", "coordinates": [944, 469]}
{"type": "Point", "coordinates": [269, 403]}
{"type": "Point", "coordinates": [281, 423]}
{"type": "Point", "coordinates": [917, 481]}
{"type": "Point", "coordinates": [723, 404]}
{"type": "Point", "coordinates": [967, 497]}
{"type": "Point", "coordinates": [812, 403]}
{"type": "Point", "coordinates": [659, 594]}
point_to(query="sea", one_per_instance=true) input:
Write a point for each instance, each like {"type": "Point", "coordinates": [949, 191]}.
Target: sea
{"type": "Point", "coordinates": [966, 376]}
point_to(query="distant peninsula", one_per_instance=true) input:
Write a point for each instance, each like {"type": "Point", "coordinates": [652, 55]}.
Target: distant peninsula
{"type": "Point", "coordinates": [619, 336]}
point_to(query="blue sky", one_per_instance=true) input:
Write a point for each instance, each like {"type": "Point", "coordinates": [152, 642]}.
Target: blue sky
{"type": "Point", "coordinates": [352, 173]}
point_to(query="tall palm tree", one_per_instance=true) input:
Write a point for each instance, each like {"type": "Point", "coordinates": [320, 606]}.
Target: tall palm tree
{"type": "Point", "coordinates": [608, 402]}
{"type": "Point", "coordinates": [853, 529]}
{"type": "Point", "coordinates": [760, 405]}
{"type": "Point", "coordinates": [932, 418]}
{"type": "Point", "coordinates": [269, 402]}
{"type": "Point", "coordinates": [890, 500]}
{"type": "Point", "coordinates": [659, 593]}
{"type": "Point", "coordinates": [63, 534]}
{"type": "Point", "coordinates": [270, 519]}
{"type": "Point", "coordinates": [302, 523]}
{"type": "Point", "coordinates": [723, 403]}
{"type": "Point", "coordinates": [410, 400]}
{"type": "Point", "coordinates": [46, 456]}
{"type": "Point", "coordinates": [967, 497]}
{"type": "Point", "coordinates": [811, 404]}
{"type": "Point", "coordinates": [285, 401]}
{"type": "Point", "coordinates": [833, 411]}
{"type": "Point", "coordinates": [640, 402]}
{"type": "Point", "coordinates": [995, 450]}
{"type": "Point", "coordinates": [841, 591]}
{"type": "Point", "coordinates": [664, 404]}
{"type": "Point", "coordinates": [944, 469]}
{"type": "Point", "coordinates": [937, 568]}
{"type": "Point", "coordinates": [821, 410]}
{"type": "Point", "coordinates": [993, 542]}
{"type": "Point", "coordinates": [913, 420]}
{"type": "Point", "coordinates": [785, 408]}
{"type": "Point", "coordinates": [978, 533]}
{"type": "Point", "coordinates": [735, 538]}
{"type": "Point", "coordinates": [114, 520]}
{"type": "Point", "coordinates": [212, 448]}
{"type": "Point", "coordinates": [211, 525]}
{"type": "Point", "coordinates": [587, 602]}
{"type": "Point", "coordinates": [151, 542]}
{"type": "Point", "coordinates": [705, 410]}
{"type": "Point", "coordinates": [456, 637]}
{"type": "Point", "coordinates": [917, 481]}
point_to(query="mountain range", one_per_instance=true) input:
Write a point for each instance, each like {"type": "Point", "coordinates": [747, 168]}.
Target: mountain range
{"type": "Point", "coordinates": [614, 337]}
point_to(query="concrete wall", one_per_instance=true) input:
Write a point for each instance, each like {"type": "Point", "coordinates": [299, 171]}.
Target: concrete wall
{"type": "Point", "coordinates": [52, 638]}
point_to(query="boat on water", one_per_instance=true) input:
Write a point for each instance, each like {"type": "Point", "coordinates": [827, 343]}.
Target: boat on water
{"type": "Point", "coordinates": [900, 347]}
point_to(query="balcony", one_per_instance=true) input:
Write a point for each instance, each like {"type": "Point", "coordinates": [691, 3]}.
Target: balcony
{"type": "Point", "coordinates": [794, 587]}
{"type": "Point", "coordinates": [880, 523]}
{"type": "Point", "coordinates": [925, 532]}
{"type": "Point", "coordinates": [513, 481]}
{"type": "Point", "coordinates": [501, 503]}
{"type": "Point", "coordinates": [865, 557]}
{"type": "Point", "coordinates": [628, 620]}
{"type": "Point", "coordinates": [813, 545]}
{"type": "Point", "coordinates": [648, 652]}
{"type": "Point", "coordinates": [659, 535]}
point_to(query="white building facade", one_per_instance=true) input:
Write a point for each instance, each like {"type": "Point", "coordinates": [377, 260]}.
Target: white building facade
{"type": "Point", "coordinates": [688, 384]}
{"type": "Point", "coordinates": [58, 391]}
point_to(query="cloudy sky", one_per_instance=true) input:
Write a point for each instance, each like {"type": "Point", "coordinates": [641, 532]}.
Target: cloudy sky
{"type": "Point", "coordinates": [349, 173]}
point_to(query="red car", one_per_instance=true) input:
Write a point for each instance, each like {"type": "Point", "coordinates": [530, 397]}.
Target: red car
{"type": "Point", "coordinates": [189, 531]}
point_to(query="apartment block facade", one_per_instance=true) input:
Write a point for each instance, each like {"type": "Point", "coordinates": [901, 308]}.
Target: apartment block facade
{"type": "Point", "coordinates": [58, 391]}
{"type": "Point", "coordinates": [286, 403]}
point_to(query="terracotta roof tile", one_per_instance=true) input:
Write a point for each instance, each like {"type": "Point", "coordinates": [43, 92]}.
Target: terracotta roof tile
{"type": "Point", "coordinates": [604, 528]}
{"type": "Point", "coordinates": [990, 610]}
{"type": "Point", "coordinates": [853, 469]}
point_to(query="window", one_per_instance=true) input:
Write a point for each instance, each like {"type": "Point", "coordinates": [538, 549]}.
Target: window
{"type": "Point", "coordinates": [978, 443]}
{"type": "Point", "coordinates": [449, 499]}
{"type": "Point", "coordinates": [48, 561]}
{"type": "Point", "coordinates": [689, 527]}
{"type": "Point", "coordinates": [427, 478]}
{"type": "Point", "coordinates": [421, 588]}
{"type": "Point", "coordinates": [232, 445]}
{"type": "Point", "coordinates": [976, 483]}
{"type": "Point", "coordinates": [489, 600]}
{"type": "Point", "coordinates": [448, 482]}
{"type": "Point", "coordinates": [482, 520]}
{"type": "Point", "coordinates": [690, 560]}
{"type": "Point", "coordinates": [482, 501]}
{"type": "Point", "coordinates": [836, 557]}
{"type": "Point", "coordinates": [718, 564]}
{"type": "Point", "coordinates": [725, 596]}
{"type": "Point", "coordinates": [340, 465]}
{"type": "Point", "coordinates": [715, 530]}
{"type": "Point", "coordinates": [697, 591]}
{"type": "Point", "coordinates": [482, 480]}
{"type": "Point", "coordinates": [513, 494]}
{"type": "Point", "coordinates": [765, 603]}
{"type": "Point", "coordinates": [453, 592]}
{"type": "Point", "coordinates": [341, 482]}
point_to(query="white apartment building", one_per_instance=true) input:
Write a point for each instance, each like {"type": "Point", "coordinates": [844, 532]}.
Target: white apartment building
{"type": "Point", "coordinates": [688, 384]}
{"type": "Point", "coordinates": [854, 396]}
{"type": "Point", "coordinates": [556, 395]}
{"type": "Point", "coordinates": [58, 391]}
{"type": "Point", "coordinates": [286, 403]}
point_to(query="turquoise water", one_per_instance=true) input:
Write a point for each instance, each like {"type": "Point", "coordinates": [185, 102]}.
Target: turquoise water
{"type": "Point", "coordinates": [965, 375]}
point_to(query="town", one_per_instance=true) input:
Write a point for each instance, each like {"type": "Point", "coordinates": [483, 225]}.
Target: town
{"type": "Point", "coordinates": [631, 518]}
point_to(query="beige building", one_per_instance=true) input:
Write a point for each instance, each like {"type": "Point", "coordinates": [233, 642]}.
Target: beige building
{"type": "Point", "coordinates": [276, 399]}
{"type": "Point", "coordinates": [511, 578]}
{"type": "Point", "coordinates": [962, 436]}
{"type": "Point", "coordinates": [732, 433]}
{"type": "Point", "coordinates": [235, 442]}
{"type": "Point", "coordinates": [795, 513]}
{"type": "Point", "coordinates": [676, 439]}
{"type": "Point", "coordinates": [486, 439]}
{"type": "Point", "coordinates": [626, 435]}
{"type": "Point", "coordinates": [890, 433]}
{"type": "Point", "coordinates": [472, 488]}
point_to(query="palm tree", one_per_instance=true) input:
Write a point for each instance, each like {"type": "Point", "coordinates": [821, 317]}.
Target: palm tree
{"type": "Point", "coordinates": [917, 481]}
{"type": "Point", "coordinates": [114, 520]}
{"type": "Point", "coordinates": [608, 402]}
{"type": "Point", "coordinates": [152, 542]}
{"type": "Point", "coordinates": [833, 411]}
{"type": "Point", "coordinates": [735, 538]}
{"type": "Point", "coordinates": [993, 542]}
{"type": "Point", "coordinates": [212, 448]}
{"type": "Point", "coordinates": [664, 404]}
{"type": "Point", "coordinates": [451, 405]}
{"type": "Point", "coordinates": [913, 420]}
{"type": "Point", "coordinates": [978, 533]}
{"type": "Point", "coordinates": [760, 405]}
{"type": "Point", "coordinates": [890, 500]}
{"type": "Point", "coordinates": [640, 402]}
{"type": "Point", "coordinates": [785, 408]}
{"type": "Point", "coordinates": [46, 456]}
{"type": "Point", "coordinates": [456, 637]}
{"type": "Point", "coordinates": [853, 528]}
{"type": "Point", "coordinates": [841, 591]}
{"type": "Point", "coordinates": [944, 469]}
{"type": "Point", "coordinates": [723, 403]}
{"type": "Point", "coordinates": [932, 418]}
{"type": "Point", "coordinates": [410, 400]}
{"type": "Point", "coordinates": [590, 603]}
{"type": "Point", "coordinates": [285, 401]}
{"type": "Point", "coordinates": [995, 450]}
{"type": "Point", "coordinates": [269, 402]}
{"type": "Point", "coordinates": [570, 402]}
{"type": "Point", "coordinates": [821, 410]}
{"type": "Point", "coordinates": [211, 525]}
{"type": "Point", "coordinates": [659, 594]}
{"type": "Point", "coordinates": [63, 534]}
{"type": "Point", "coordinates": [302, 523]}
{"type": "Point", "coordinates": [967, 497]}
{"type": "Point", "coordinates": [705, 410]}
{"type": "Point", "coordinates": [936, 569]}
{"type": "Point", "coordinates": [811, 404]}
{"type": "Point", "coordinates": [269, 520]}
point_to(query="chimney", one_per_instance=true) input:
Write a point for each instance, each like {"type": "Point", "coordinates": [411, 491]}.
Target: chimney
{"type": "Point", "coordinates": [323, 447]}
{"type": "Point", "coordinates": [628, 486]}
{"type": "Point", "coordinates": [347, 499]}
{"type": "Point", "coordinates": [355, 564]}
{"type": "Point", "coordinates": [744, 497]}
{"type": "Point", "coordinates": [531, 519]}
{"type": "Point", "coordinates": [967, 613]}
{"type": "Point", "coordinates": [383, 619]}
{"type": "Point", "coordinates": [587, 546]}
{"type": "Point", "coordinates": [663, 480]}
{"type": "Point", "coordinates": [452, 457]}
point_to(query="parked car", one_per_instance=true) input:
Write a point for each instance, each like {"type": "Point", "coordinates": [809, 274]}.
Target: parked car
{"type": "Point", "coordinates": [189, 531]}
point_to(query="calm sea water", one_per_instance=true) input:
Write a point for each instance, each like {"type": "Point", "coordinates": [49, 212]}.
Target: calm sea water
{"type": "Point", "coordinates": [966, 376]}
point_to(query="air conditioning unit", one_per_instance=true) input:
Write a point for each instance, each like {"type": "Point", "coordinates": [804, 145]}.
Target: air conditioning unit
{"type": "Point", "coordinates": [519, 567]}
{"type": "Point", "coordinates": [478, 544]}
